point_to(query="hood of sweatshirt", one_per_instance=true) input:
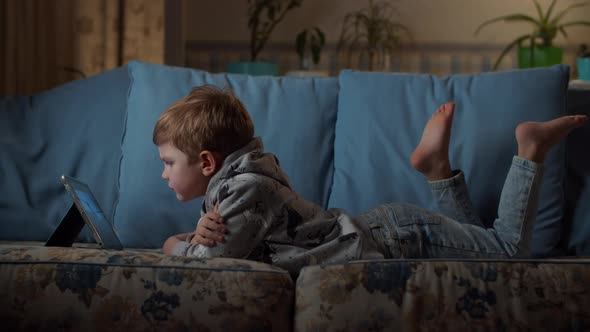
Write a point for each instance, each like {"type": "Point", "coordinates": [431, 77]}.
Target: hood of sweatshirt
{"type": "Point", "coordinates": [250, 159]}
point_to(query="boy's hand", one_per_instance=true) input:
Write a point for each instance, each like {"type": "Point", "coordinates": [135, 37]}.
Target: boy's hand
{"type": "Point", "coordinates": [210, 229]}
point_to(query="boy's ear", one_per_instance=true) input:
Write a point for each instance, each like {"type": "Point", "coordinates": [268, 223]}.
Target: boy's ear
{"type": "Point", "coordinates": [210, 162]}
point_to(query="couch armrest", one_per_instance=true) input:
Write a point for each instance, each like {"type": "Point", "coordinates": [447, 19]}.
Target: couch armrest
{"type": "Point", "coordinates": [44, 288]}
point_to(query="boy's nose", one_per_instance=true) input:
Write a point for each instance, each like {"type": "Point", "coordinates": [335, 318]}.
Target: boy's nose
{"type": "Point", "coordinates": [164, 175]}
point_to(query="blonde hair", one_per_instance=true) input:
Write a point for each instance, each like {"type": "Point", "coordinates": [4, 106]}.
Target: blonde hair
{"type": "Point", "coordinates": [209, 118]}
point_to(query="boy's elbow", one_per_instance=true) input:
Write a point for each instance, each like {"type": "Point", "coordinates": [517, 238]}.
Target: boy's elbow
{"type": "Point", "coordinates": [169, 244]}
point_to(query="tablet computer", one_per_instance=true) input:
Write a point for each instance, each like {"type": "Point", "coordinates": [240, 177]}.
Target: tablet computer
{"type": "Point", "coordinates": [84, 211]}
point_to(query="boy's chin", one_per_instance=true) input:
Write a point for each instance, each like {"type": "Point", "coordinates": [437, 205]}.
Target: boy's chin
{"type": "Point", "coordinates": [183, 198]}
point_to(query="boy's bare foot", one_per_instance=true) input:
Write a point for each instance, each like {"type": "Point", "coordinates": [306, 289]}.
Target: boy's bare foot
{"type": "Point", "coordinates": [535, 139]}
{"type": "Point", "coordinates": [431, 156]}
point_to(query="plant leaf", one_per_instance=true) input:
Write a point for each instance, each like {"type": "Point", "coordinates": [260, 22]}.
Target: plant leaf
{"type": "Point", "coordinates": [399, 26]}
{"type": "Point", "coordinates": [315, 53]}
{"type": "Point", "coordinates": [574, 23]}
{"type": "Point", "coordinates": [510, 18]}
{"type": "Point", "coordinates": [539, 10]}
{"type": "Point", "coordinates": [344, 33]}
{"type": "Point", "coordinates": [563, 32]}
{"type": "Point", "coordinates": [509, 47]}
{"type": "Point", "coordinates": [300, 42]}
{"type": "Point", "coordinates": [321, 36]}
{"type": "Point", "coordinates": [549, 11]}
{"type": "Point", "coordinates": [372, 28]}
{"type": "Point", "coordinates": [559, 16]}
{"type": "Point", "coordinates": [263, 16]}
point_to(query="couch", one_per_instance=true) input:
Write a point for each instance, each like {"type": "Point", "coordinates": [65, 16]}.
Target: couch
{"type": "Point", "coordinates": [344, 142]}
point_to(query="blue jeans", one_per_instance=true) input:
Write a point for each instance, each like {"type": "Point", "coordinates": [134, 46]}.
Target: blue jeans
{"type": "Point", "coordinates": [407, 231]}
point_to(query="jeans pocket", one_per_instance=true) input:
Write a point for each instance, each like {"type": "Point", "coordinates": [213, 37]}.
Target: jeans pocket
{"type": "Point", "coordinates": [414, 229]}
{"type": "Point", "coordinates": [380, 240]}
{"type": "Point", "coordinates": [401, 230]}
{"type": "Point", "coordinates": [381, 232]}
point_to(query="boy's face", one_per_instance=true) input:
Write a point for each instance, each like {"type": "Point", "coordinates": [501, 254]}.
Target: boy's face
{"type": "Point", "coordinates": [187, 180]}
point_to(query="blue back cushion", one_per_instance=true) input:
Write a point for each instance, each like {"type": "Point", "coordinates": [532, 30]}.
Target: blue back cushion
{"type": "Point", "coordinates": [578, 177]}
{"type": "Point", "coordinates": [294, 116]}
{"type": "Point", "coordinates": [380, 121]}
{"type": "Point", "coordinates": [74, 129]}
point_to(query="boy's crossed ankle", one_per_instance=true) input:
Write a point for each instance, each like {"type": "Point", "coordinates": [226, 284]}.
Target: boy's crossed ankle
{"type": "Point", "coordinates": [535, 139]}
{"type": "Point", "coordinates": [431, 156]}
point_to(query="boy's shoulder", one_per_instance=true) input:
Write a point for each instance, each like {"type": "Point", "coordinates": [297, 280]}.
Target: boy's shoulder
{"type": "Point", "coordinates": [250, 182]}
{"type": "Point", "coordinates": [246, 190]}
{"type": "Point", "coordinates": [249, 172]}
{"type": "Point", "coordinates": [253, 166]}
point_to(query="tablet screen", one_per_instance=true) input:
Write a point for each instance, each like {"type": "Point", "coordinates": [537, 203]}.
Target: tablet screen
{"type": "Point", "coordinates": [92, 212]}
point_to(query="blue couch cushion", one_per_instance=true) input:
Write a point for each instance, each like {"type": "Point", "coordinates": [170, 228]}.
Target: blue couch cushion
{"type": "Point", "coordinates": [294, 116]}
{"type": "Point", "coordinates": [74, 129]}
{"type": "Point", "coordinates": [380, 121]}
{"type": "Point", "coordinates": [577, 187]}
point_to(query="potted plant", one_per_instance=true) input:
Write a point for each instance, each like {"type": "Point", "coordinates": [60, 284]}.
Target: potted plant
{"type": "Point", "coordinates": [263, 17]}
{"type": "Point", "coordinates": [540, 50]}
{"type": "Point", "coordinates": [583, 63]}
{"type": "Point", "coordinates": [308, 44]}
{"type": "Point", "coordinates": [374, 29]}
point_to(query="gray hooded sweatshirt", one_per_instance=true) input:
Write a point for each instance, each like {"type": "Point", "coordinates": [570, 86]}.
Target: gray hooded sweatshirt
{"type": "Point", "coordinates": [271, 223]}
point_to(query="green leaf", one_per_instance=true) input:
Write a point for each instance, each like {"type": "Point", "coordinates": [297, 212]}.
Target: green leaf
{"type": "Point", "coordinates": [372, 28]}
{"type": "Point", "coordinates": [321, 36]}
{"type": "Point", "coordinates": [509, 47]}
{"type": "Point", "coordinates": [539, 10]}
{"type": "Point", "coordinates": [574, 23]}
{"type": "Point", "coordinates": [316, 40]}
{"type": "Point", "coordinates": [399, 26]}
{"type": "Point", "coordinates": [546, 28]}
{"type": "Point", "coordinates": [562, 30]}
{"type": "Point", "coordinates": [263, 16]}
{"type": "Point", "coordinates": [549, 11]}
{"type": "Point", "coordinates": [510, 18]}
{"type": "Point", "coordinates": [300, 42]}
{"type": "Point", "coordinates": [561, 14]}
{"type": "Point", "coordinates": [315, 53]}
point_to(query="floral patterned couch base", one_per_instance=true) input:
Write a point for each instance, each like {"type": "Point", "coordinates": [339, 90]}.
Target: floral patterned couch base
{"type": "Point", "coordinates": [73, 289]}
{"type": "Point", "coordinates": [48, 289]}
{"type": "Point", "coordinates": [436, 295]}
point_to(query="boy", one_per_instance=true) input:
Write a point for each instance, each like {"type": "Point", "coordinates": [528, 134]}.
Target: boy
{"type": "Point", "coordinates": [206, 143]}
